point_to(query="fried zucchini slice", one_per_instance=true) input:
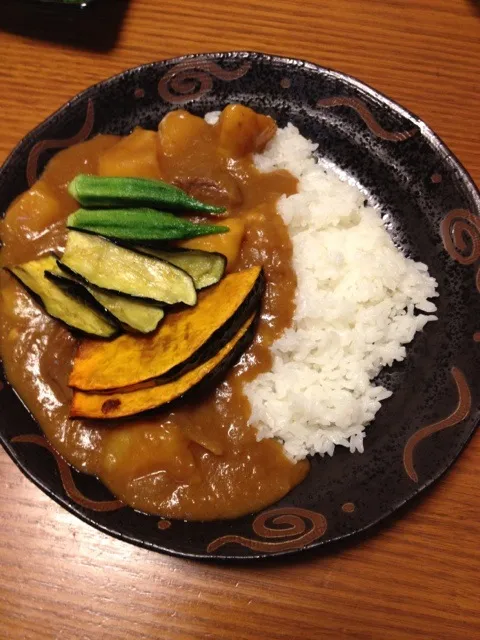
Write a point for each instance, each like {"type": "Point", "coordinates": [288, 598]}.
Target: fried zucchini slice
{"type": "Point", "coordinates": [101, 263]}
{"type": "Point", "coordinates": [133, 315]}
{"type": "Point", "coordinates": [205, 267]}
{"type": "Point", "coordinates": [78, 314]}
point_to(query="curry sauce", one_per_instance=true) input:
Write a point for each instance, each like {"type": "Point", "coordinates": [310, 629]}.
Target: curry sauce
{"type": "Point", "coordinates": [200, 460]}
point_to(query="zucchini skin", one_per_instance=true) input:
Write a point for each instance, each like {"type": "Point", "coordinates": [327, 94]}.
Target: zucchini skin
{"type": "Point", "coordinates": [139, 224]}
{"type": "Point", "coordinates": [87, 293]}
{"type": "Point", "coordinates": [94, 306]}
{"type": "Point", "coordinates": [81, 241]}
{"type": "Point", "coordinates": [84, 281]}
{"type": "Point", "coordinates": [128, 317]}
{"type": "Point", "coordinates": [98, 191]}
{"type": "Point", "coordinates": [172, 254]}
{"type": "Point", "coordinates": [77, 290]}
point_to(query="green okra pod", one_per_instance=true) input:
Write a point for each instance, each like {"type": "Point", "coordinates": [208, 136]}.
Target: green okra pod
{"type": "Point", "coordinates": [97, 191]}
{"type": "Point", "coordinates": [140, 224]}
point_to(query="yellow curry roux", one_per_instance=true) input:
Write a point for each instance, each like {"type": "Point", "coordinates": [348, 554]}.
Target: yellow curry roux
{"type": "Point", "coordinates": [200, 461]}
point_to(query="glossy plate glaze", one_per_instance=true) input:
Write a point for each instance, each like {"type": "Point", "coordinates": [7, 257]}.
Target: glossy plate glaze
{"type": "Point", "coordinates": [432, 210]}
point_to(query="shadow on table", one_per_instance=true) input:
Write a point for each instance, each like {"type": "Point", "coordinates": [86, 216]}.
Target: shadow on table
{"type": "Point", "coordinates": [94, 27]}
{"type": "Point", "coordinates": [476, 5]}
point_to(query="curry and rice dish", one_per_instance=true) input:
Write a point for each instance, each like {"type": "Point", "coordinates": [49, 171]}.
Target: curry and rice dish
{"type": "Point", "coordinates": [190, 313]}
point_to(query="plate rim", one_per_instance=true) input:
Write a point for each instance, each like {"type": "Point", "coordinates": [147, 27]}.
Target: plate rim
{"type": "Point", "coordinates": [425, 131]}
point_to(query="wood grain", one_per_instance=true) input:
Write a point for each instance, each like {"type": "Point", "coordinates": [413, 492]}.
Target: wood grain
{"type": "Point", "coordinates": [417, 577]}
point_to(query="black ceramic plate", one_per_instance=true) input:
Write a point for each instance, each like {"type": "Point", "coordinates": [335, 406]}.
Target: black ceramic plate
{"type": "Point", "coordinates": [433, 214]}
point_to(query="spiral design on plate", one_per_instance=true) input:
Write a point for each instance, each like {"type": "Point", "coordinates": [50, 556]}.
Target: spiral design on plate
{"type": "Point", "coordinates": [297, 528]}
{"type": "Point", "coordinates": [367, 116]}
{"type": "Point", "coordinates": [45, 145]}
{"type": "Point", "coordinates": [462, 411]}
{"type": "Point", "coordinates": [460, 231]}
{"type": "Point", "coordinates": [476, 336]}
{"type": "Point", "coordinates": [191, 79]}
{"type": "Point", "coordinates": [67, 479]}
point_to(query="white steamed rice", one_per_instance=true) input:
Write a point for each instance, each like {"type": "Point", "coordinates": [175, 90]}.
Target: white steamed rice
{"type": "Point", "coordinates": [355, 303]}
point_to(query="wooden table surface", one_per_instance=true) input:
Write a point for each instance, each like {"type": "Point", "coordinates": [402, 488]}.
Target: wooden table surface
{"type": "Point", "coordinates": [418, 576]}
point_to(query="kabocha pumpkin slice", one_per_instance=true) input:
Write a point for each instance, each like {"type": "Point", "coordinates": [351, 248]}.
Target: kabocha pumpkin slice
{"type": "Point", "coordinates": [104, 264]}
{"type": "Point", "coordinates": [79, 314]}
{"type": "Point", "coordinates": [132, 314]}
{"type": "Point", "coordinates": [120, 405]}
{"type": "Point", "coordinates": [184, 340]}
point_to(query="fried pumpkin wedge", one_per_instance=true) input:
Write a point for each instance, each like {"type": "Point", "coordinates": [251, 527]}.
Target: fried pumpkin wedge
{"type": "Point", "coordinates": [133, 315]}
{"type": "Point", "coordinates": [101, 263]}
{"type": "Point", "coordinates": [184, 340]}
{"type": "Point", "coordinates": [79, 314]}
{"type": "Point", "coordinates": [120, 405]}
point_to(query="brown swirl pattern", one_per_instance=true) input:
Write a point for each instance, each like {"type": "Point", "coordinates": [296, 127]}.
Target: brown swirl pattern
{"type": "Point", "coordinates": [367, 116]}
{"type": "Point", "coordinates": [44, 145]}
{"type": "Point", "coordinates": [462, 410]}
{"type": "Point", "coordinates": [476, 336]}
{"type": "Point", "coordinates": [67, 479]}
{"type": "Point", "coordinates": [289, 522]}
{"type": "Point", "coordinates": [455, 227]}
{"type": "Point", "coordinates": [191, 79]}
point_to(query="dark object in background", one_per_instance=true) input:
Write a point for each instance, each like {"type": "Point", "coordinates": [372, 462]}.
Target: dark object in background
{"type": "Point", "coordinates": [82, 3]}
{"type": "Point", "coordinates": [78, 3]}
{"type": "Point", "coordinates": [74, 4]}
{"type": "Point", "coordinates": [86, 24]}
